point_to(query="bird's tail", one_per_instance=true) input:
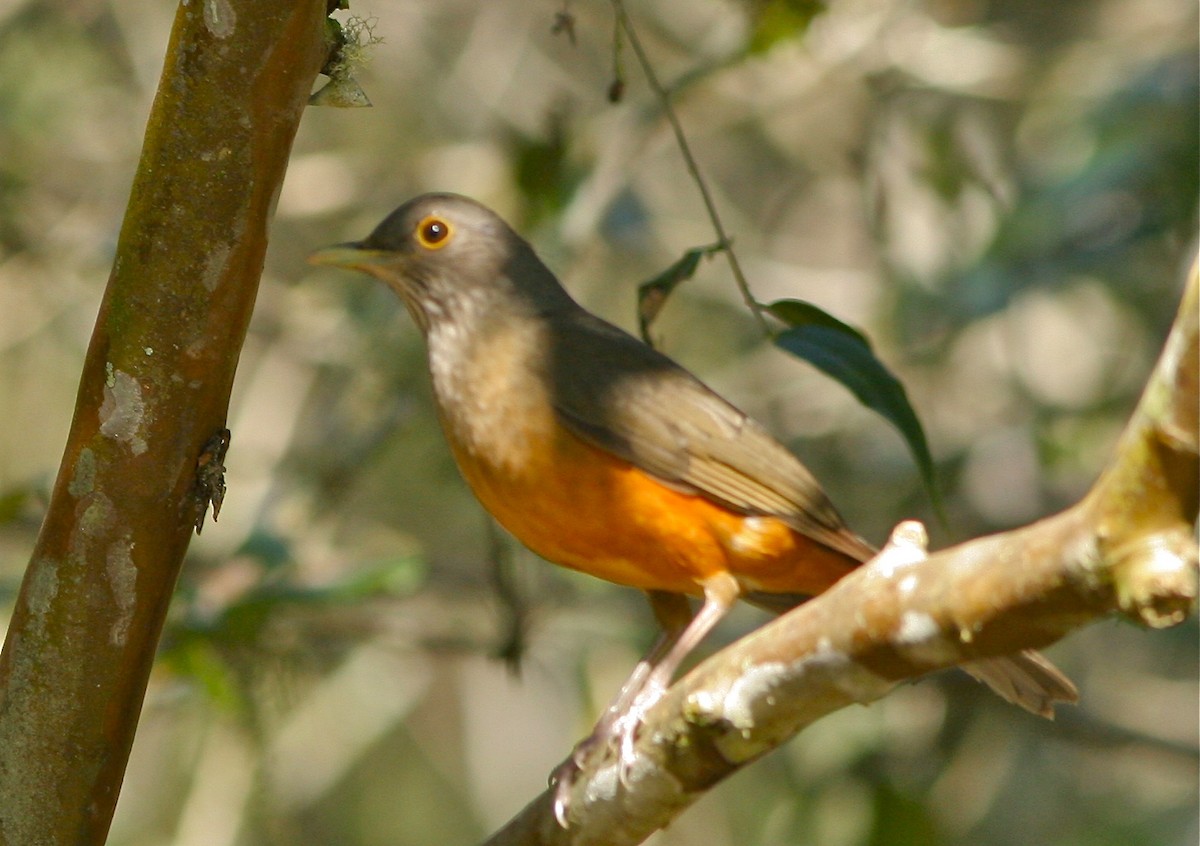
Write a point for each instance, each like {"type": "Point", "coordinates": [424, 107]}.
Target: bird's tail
{"type": "Point", "coordinates": [1027, 679]}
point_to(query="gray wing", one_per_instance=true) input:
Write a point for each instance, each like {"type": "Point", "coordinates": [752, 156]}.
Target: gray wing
{"type": "Point", "coordinates": [621, 395]}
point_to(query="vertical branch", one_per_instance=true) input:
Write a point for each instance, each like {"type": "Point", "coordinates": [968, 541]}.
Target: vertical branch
{"type": "Point", "coordinates": [154, 390]}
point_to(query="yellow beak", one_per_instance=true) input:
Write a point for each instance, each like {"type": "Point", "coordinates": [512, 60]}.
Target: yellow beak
{"type": "Point", "coordinates": [352, 256]}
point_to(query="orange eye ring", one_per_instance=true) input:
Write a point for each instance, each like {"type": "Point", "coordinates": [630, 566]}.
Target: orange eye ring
{"type": "Point", "coordinates": [434, 232]}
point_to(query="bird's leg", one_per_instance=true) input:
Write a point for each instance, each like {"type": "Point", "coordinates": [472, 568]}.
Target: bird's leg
{"type": "Point", "coordinates": [649, 681]}
{"type": "Point", "coordinates": [673, 613]}
{"type": "Point", "coordinates": [720, 592]}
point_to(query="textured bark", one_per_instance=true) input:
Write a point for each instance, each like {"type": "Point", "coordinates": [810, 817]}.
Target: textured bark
{"type": "Point", "coordinates": [154, 390]}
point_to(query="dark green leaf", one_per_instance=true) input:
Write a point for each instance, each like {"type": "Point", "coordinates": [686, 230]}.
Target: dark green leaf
{"type": "Point", "coordinates": [801, 313]}
{"type": "Point", "coordinates": [901, 820]}
{"type": "Point", "coordinates": [543, 169]}
{"type": "Point", "coordinates": [842, 353]}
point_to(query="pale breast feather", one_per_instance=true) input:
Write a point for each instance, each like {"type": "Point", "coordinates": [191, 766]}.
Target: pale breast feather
{"type": "Point", "coordinates": [491, 395]}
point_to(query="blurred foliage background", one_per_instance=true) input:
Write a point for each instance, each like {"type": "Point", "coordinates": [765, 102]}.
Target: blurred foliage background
{"type": "Point", "coordinates": [1001, 193]}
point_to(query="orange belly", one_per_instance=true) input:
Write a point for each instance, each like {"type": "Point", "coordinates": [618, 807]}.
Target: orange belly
{"type": "Point", "coordinates": [579, 506]}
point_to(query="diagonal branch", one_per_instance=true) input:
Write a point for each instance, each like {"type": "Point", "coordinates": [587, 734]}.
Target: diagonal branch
{"type": "Point", "coordinates": [1127, 547]}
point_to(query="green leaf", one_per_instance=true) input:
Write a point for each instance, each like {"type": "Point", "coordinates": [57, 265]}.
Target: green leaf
{"type": "Point", "coordinates": [12, 503]}
{"type": "Point", "coordinates": [801, 313]}
{"type": "Point", "coordinates": [198, 659]}
{"type": "Point", "coordinates": [843, 353]}
{"type": "Point", "coordinates": [543, 169]}
{"type": "Point", "coordinates": [653, 293]}
{"type": "Point", "coordinates": [901, 820]}
{"type": "Point", "coordinates": [781, 20]}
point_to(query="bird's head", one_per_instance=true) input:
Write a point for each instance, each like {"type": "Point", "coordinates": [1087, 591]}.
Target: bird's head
{"type": "Point", "coordinates": [444, 254]}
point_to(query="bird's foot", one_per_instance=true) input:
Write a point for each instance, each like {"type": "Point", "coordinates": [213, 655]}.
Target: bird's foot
{"type": "Point", "coordinates": [617, 731]}
{"type": "Point", "coordinates": [563, 779]}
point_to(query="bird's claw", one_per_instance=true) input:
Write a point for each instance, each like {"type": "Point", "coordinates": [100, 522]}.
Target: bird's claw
{"type": "Point", "coordinates": [619, 731]}
{"type": "Point", "coordinates": [562, 780]}
{"type": "Point", "coordinates": [567, 773]}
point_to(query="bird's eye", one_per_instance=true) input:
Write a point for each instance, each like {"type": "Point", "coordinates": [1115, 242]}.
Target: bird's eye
{"type": "Point", "coordinates": [434, 232]}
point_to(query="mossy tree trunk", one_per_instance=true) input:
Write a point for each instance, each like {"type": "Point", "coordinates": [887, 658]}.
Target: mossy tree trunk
{"type": "Point", "coordinates": [153, 393]}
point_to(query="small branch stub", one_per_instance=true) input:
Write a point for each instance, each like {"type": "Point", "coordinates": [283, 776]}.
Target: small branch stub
{"type": "Point", "coordinates": [351, 42]}
{"type": "Point", "coordinates": [1156, 578]}
{"type": "Point", "coordinates": [210, 477]}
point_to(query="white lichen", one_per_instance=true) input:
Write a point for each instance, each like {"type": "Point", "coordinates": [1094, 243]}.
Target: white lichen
{"type": "Point", "coordinates": [219, 18]}
{"type": "Point", "coordinates": [753, 686]}
{"type": "Point", "coordinates": [915, 628]}
{"type": "Point", "coordinates": [920, 638]}
{"type": "Point", "coordinates": [214, 266]}
{"type": "Point", "coordinates": [43, 587]}
{"type": "Point", "coordinates": [123, 411]}
{"type": "Point", "coordinates": [743, 703]}
{"type": "Point", "coordinates": [122, 581]}
{"type": "Point", "coordinates": [83, 480]}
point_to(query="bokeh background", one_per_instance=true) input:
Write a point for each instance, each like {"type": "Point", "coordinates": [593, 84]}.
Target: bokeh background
{"type": "Point", "coordinates": [1001, 193]}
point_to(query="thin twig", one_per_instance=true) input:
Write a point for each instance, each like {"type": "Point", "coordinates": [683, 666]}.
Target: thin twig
{"type": "Point", "coordinates": [694, 169]}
